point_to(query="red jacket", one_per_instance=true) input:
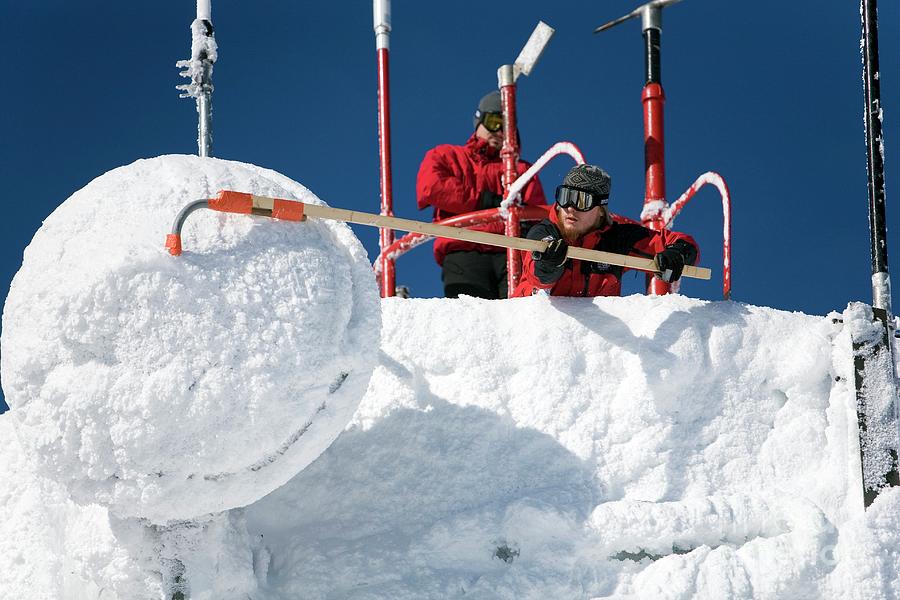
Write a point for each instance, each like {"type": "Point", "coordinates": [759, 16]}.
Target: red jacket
{"type": "Point", "coordinates": [583, 278]}
{"type": "Point", "coordinates": [451, 180]}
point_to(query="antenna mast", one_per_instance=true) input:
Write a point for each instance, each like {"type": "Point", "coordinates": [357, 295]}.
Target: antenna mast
{"type": "Point", "coordinates": [199, 70]}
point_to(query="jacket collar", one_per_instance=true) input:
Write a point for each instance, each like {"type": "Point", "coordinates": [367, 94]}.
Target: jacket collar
{"type": "Point", "coordinates": [479, 147]}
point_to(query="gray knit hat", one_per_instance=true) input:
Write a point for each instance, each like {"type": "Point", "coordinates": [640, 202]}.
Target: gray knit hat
{"type": "Point", "coordinates": [490, 103]}
{"type": "Point", "coordinates": [589, 178]}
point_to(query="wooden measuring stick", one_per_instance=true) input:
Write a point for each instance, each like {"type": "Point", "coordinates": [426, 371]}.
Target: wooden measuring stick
{"type": "Point", "coordinates": [239, 202]}
{"type": "Point", "coordinates": [492, 239]}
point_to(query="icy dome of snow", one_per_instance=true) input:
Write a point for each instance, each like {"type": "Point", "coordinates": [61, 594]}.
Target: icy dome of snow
{"type": "Point", "coordinates": [169, 387]}
{"type": "Point", "coordinates": [534, 448]}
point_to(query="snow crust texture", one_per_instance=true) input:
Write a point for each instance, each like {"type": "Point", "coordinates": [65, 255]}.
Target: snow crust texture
{"type": "Point", "coordinates": [169, 387]}
{"type": "Point", "coordinates": [608, 448]}
{"type": "Point", "coordinates": [615, 448]}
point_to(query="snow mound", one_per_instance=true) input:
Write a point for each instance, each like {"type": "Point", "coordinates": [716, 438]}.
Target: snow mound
{"type": "Point", "coordinates": [167, 388]}
{"type": "Point", "coordinates": [614, 448]}
{"type": "Point", "coordinates": [610, 448]}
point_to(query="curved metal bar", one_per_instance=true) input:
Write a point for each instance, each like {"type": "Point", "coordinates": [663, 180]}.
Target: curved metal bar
{"type": "Point", "coordinates": [714, 179]}
{"type": "Point", "coordinates": [555, 150]}
{"type": "Point", "coordinates": [185, 212]}
{"type": "Point", "coordinates": [173, 240]}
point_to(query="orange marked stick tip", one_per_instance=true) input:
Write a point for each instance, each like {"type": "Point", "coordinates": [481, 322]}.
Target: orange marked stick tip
{"type": "Point", "coordinates": [173, 244]}
{"type": "Point", "coordinates": [233, 202]}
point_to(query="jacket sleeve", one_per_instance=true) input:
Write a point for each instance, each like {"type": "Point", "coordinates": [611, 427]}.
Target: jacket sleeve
{"type": "Point", "coordinates": [654, 243]}
{"type": "Point", "coordinates": [438, 186]}
{"type": "Point", "coordinates": [530, 279]}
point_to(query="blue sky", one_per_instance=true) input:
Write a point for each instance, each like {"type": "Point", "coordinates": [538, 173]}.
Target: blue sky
{"type": "Point", "coordinates": [766, 93]}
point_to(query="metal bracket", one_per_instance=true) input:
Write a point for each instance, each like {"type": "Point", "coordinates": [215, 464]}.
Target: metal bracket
{"type": "Point", "coordinates": [650, 13]}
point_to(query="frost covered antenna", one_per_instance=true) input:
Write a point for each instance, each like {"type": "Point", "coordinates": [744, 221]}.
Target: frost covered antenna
{"type": "Point", "coordinates": [199, 70]}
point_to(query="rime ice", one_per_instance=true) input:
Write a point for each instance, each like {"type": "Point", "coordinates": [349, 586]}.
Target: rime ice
{"type": "Point", "coordinates": [165, 387]}
{"type": "Point", "coordinates": [641, 447]}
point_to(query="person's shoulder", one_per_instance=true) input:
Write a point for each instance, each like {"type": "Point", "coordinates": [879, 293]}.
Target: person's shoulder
{"type": "Point", "coordinates": [445, 149]}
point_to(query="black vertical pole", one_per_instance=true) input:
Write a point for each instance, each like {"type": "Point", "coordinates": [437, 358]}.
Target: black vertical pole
{"type": "Point", "coordinates": [652, 55]}
{"type": "Point", "coordinates": [875, 354]}
{"type": "Point", "coordinates": [881, 283]}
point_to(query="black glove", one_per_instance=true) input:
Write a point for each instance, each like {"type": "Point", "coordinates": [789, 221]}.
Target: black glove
{"type": "Point", "coordinates": [550, 264]}
{"type": "Point", "coordinates": [489, 199]}
{"type": "Point", "coordinates": [671, 261]}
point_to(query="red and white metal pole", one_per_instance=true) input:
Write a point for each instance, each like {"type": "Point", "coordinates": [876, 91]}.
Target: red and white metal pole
{"type": "Point", "coordinates": [509, 154]}
{"type": "Point", "coordinates": [382, 15]}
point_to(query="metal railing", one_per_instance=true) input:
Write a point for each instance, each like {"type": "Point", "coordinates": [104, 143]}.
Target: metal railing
{"type": "Point", "coordinates": [510, 213]}
{"type": "Point", "coordinates": [716, 180]}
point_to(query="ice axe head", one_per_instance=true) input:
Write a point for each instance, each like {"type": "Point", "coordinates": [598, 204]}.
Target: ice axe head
{"type": "Point", "coordinates": [650, 13]}
{"type": "Point", "coordinates": [532, 50]}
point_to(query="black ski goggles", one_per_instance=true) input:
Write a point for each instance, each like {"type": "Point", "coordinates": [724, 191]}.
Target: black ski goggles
{"type": "Point", "coordinates": [579, 199]}
{"type": "Point", "coordinates": [492, 121]}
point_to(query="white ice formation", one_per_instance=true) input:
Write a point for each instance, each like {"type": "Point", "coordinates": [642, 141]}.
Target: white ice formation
{"type": "Point", "coordinates": [169, 387]}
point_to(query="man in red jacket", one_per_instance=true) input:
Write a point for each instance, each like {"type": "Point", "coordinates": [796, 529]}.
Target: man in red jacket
{"type": "Point", "coordinates": [580, 218]}
{"type": "Point", "coordinates": [461, 179]}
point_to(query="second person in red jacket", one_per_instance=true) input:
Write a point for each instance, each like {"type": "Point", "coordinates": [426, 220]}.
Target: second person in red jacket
{"type": "Point", "coordinates": [580, 218]}
{"type": "Point", "coordinates": [459, 179]}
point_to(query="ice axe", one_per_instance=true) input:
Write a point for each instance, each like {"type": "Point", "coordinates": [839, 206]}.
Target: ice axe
{"type": "Point", "coordinates": [507, 75]}
{"type": "Point", "coordinates": [294, 210]}
{"type": "Point", "coordinates": [532, 50]}
{"type": "Point", "coordinates": [649, 13]}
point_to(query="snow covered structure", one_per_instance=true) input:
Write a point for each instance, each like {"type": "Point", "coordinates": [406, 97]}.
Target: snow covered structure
{"type": "Point", "coordinates": [640, 447]}
{"type": "Point", "coordinates": [168, 389]}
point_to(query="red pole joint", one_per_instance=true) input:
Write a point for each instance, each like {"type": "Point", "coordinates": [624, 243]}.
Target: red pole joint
{"type": "Point", "coordinates": [654, 98]}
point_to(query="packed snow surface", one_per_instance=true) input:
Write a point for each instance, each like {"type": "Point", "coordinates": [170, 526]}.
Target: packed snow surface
{"type": "Point", "coordinates": [248, 420]}
{"type": "Point", "coordinates": [537, 448]}
{"type": "Point", "coordinates": [171, 387]}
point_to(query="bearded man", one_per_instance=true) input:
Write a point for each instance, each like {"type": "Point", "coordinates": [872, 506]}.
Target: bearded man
{"type": "Point", "coordinates": [454, 180]}
{"type": "Point", "coordinates": [580, 218]}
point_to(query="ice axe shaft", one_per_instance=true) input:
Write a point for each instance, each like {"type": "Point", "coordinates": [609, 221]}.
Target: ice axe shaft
{"type": "Point", "coordinates": [293, 210]}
